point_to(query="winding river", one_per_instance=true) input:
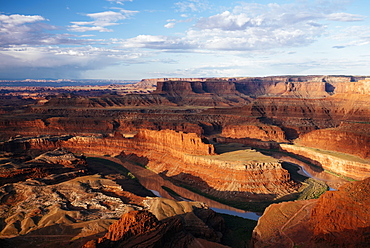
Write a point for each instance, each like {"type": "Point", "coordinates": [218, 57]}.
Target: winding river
{"type": "Point", "coordinates": [332, 181]}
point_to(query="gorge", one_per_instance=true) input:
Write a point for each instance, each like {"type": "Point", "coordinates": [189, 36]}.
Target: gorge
{"type": "Point", "coordinates": [230, 143]}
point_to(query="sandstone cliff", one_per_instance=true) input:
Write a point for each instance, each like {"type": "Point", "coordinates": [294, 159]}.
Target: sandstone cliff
{"type": "Point", "coordinates": [337, 219]}
{"type": "Point", "coordinates": [285, 86]}
{"type": "Point", "coordinates": [340, 163]}
{"type": "Point", "coordinates": [352, 138]}
{"type": "Point", "coordinates": [258, 131]}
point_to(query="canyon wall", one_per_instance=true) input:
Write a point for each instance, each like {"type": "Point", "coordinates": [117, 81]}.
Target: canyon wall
{"type": "Point", "coordinates": [284, 86]}
{"type": "Point", "coordinates": [340, 163]}
{"type": "Point", "coordinates": [352, 138]}
{"type": "Point", "coordinates": [345, 87]}
{"type": "Point", "coordinates": [185, 158]}
{"type": "Point", "coordinates": [258, 131]}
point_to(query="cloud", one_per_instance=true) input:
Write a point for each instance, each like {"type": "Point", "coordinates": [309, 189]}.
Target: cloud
{"type": "Point", "coordinates": [251, 27]}
{"type": "Point", "coordinates": [170, 25]}
{"type": "Point", "coordinates": [352, 36]}
{"type": "Point", "coordinates": [248, 27]}
{"type": "Point", "coordinates": [228, 21]}
{"type": "Point", "coordinates": [16, 20]}
{"type": "Point", "coordinates": [157, 42]}
{"type": "Point", "coordinates": [31, 30]}
{"type": "Point", "coordinates": [192, 6]}
{"type": "Point", "coordinates": [345, 17]}
{"type": "Point", "coordinates": [101, 20]}
{"type": "Point", "coordinates": [62, 62]}
{"type": "Point", "coordinates": [119, 1]}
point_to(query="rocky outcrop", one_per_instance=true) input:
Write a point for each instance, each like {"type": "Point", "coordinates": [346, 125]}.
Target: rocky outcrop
{"type": "Point", "coordinates": [340, 163]}
{"type": "Point", "coordinates": [141, 228]}
{"type": "Point", "coordinates": [337, 219]}
{"type": "Point", "coordinates": [34, 207]}
{"type": "Point", "coordinates": [51, 167]}
{"type": "Point", "coordinates": [261, 132]}
{"type": "Point", "coordinates": [361, 86]}
{"type": "Point", "coordinates": [352, 138]}
{"type": "Point", "coordinates": [55, 199]}
{"type": "Point", "coordinates": [342, 218]}
{"type": "Point", "coordinates": [173, 142]}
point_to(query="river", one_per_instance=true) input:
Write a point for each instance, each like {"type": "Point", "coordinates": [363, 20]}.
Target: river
{"type": "Point", "coordinates": [332, 181]}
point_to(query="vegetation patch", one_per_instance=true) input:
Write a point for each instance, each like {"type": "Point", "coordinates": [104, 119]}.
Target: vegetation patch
{"type": "Point", "coordinates": [312, 189]}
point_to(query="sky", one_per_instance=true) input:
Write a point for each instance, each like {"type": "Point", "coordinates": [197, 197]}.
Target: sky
{"type": "Point", "coordinates": [136, 39]}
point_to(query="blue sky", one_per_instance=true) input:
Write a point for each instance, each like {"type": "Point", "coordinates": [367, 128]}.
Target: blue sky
{"type": "Point", "coordinates": [135, 39]}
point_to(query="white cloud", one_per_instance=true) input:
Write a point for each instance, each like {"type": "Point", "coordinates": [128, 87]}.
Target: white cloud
{"type": "Point", "coordinates": [170, 25]}
{"type": "Point", "coordinates": [352, 36]}
{"type": "Point", "coordinates": [119, 1]}
{"type": "Point", "coordinates": [15, 20]}
{"type": "Point", "coordinates": [192, 6]}
{"type": "Point", "coordinates": [31, 30]}
{"type": "Point", "coordinates": [228, 21]}
{"type": "Point", "coordinates": [157, 42]}
{"type": "Point", "coordinates": [248, 27]}
{"type": "Point", "coordinates": [101, 20]}
{"type": "Point", "coordinates": [345, 17]}
{"type": "Point", "coordinates": [252, 27]}
{"type": "Point", "coordinates": [57, 62]}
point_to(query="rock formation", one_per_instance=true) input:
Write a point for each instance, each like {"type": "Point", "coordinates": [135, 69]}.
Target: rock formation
{"type": "Point", "coordinates": [340, 163]}
{"type": "Point", "coordinates": [352, 138]}
{"type": "Point", "coordinates": [141, 228]}
{"type": "Point", "coordinates": [337, 219]}
{"type": "Point", "coordinates": [185, 158]}
{"type": "Point", "coordinates": [56, 194]}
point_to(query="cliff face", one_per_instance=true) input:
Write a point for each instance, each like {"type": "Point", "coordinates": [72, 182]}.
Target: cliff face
{"type": "Point", "coordinates": [261, 132]}
{"type": "Point", "coordinates": [296, 105]}
{"type": "Point", "coordinates": [173, 142]}
{"type": "Point", "coordinates": [352, 138]}
{"type": "Point", "coordinates": [345, 87]}
{"type": "Point", "coordinates": [304, 87]}
{"type": "Point", "coordinates": [337, 219]}
{"type": "Point", "coordinates": [340, 163]}
{"type": "Point", "coordinates": [333, 219]}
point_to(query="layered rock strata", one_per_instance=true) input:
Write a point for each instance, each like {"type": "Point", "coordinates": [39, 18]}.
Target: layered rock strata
{"type": "Point", "coordinates": [352, 138]}
{"type": "Point", "coordinates": [337, 219]}
{"type": "Point", "coordinates": [185, 158]}
{"type": "Point", "coordinates": [340, 163]}
{"type": "Point", "coordinates": [261, 132]}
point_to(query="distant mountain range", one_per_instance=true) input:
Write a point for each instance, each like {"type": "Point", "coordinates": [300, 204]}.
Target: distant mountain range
{"type": "Point", "coordinates": [61, 82]}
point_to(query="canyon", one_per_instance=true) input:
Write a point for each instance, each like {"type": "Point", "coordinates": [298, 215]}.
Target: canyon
{"type": "Point", "coordinates": [235, 141]}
